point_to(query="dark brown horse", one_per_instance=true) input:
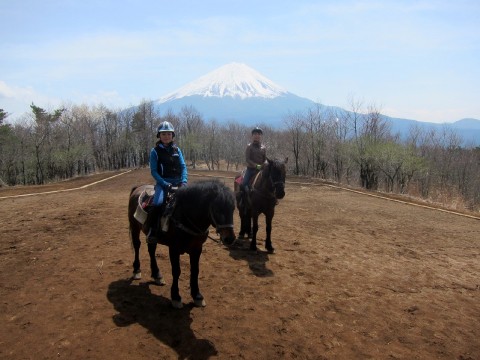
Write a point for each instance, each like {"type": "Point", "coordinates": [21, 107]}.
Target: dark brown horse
{"type": "Point", "coordinates": [197, 207]}
{"type": "Point", "coordinates": [265, 191]}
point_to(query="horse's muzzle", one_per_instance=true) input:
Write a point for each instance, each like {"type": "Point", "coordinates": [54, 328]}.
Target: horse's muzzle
{"type": "Point", "coordinates": [227, 235]}
{"type": "Point", "coordinates": [279, 192]}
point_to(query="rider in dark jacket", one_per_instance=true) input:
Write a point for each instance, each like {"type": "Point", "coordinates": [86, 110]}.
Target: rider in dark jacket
{"type": "Point", "coordinates": [255, 155]}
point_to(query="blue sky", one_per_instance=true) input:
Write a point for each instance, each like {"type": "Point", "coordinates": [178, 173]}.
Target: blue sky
{"type": "Point", "coordinates": [412, 59]}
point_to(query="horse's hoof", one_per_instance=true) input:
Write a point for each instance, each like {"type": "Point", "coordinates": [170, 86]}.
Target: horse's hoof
{"type": "Point", "coordinates": [177, 304]}
{"type": "Point", "coordinates": [199, 301]}
{"type": "Point", "coordinates": [137, 275]}
{"type": "Point", "coordinates": [271, 251]}
{"type": "Point", "coordinates": [159, 281]}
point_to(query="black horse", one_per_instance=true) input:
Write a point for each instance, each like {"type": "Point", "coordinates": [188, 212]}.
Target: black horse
{"type": "Point", "coordinates": [196, 207]}
{"type": "Point", "coordinates": [265, 191]}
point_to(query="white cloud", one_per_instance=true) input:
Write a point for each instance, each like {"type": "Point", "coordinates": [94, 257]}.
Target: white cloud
{"type": "Point", "coordinates": [16, 100]}
{"type": "Point", "coordinates": [14, 92]}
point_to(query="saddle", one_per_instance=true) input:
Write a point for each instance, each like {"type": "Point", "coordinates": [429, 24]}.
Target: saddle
{"type": "Point", "coordinates": [244, 196]}
{"type": "Point", "coordinates": [145, 206]}
{"type": "Point", "coordinates": [145, 200]}
{"type": "Point", "coordinates": [251, 182]}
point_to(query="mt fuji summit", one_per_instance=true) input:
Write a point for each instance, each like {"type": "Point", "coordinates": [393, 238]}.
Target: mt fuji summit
{"type": "Point", "coordinates": [235, 92]}
{"type": "Point", "coordinates": [231, 80]}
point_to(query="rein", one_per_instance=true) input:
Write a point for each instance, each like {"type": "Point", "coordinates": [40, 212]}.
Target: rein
{"type": "Point", "coordinates": [182, 227]}
{"type": "Point", "coordinates": [197, 231]}
{"type": "Point", "coordinates": [271, 192]}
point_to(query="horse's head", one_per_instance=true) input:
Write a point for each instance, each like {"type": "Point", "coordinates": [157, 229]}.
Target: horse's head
{"type": "Point", "coordinates": [277, 170]}
{"type": "Point", "coordinates": [221, 214]}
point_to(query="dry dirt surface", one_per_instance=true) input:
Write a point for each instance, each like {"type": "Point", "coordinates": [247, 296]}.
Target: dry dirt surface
{"type": "Point", "coordinates": [353, 277]}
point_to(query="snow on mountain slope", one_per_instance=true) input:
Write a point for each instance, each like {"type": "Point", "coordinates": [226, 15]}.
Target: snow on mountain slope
{"type": "Point", "coordinates": [233, 80]}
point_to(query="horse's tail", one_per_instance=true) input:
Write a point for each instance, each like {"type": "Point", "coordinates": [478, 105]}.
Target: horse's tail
{"type": "Point", "coordinates": [133, 226]}
{"type": "Point", "coordinates": [133, 189]}
{"type": "Point", "coordinates": [237, 182]}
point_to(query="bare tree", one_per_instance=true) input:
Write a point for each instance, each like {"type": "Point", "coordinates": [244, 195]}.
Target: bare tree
{"type": "Point", "coordinates": [294, 125]}
{"type": "Point", "coordinates": [234, 141]}
{"type": "Point", "coordinates": [369, 130]}
{"type": "Point", "coordinates": [190, 127]}
{"type": "Point", "coordinates": [42, 132]}
{"type": "Point", "coordinates": [211, 147]}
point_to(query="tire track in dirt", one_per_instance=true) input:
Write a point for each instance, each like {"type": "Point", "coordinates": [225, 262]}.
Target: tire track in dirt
{"type": "Point", "coordinates": [64, 190]}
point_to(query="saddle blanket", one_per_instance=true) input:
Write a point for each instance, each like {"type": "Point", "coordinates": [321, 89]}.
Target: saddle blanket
{"type": "Point", "coordinates": [144, 201]}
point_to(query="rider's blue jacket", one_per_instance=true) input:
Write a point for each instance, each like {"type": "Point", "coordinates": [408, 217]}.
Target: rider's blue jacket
{"type": "Point", "coordinates": [167, 165]}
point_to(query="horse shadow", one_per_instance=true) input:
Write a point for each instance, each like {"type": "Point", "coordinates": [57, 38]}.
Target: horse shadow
{"type": "Point", "coordinates": [256, 260]}
{"type": "Point", "coordinates": [136, 304]}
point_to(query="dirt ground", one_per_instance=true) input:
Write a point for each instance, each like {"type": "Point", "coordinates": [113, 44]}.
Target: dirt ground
{"type": "Point", "coordinates": [353, 277]}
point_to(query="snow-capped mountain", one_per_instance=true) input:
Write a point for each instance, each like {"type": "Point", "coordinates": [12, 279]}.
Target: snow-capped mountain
{"type": "Point", "coordinates": [236, 92]}
{"type": "Point", "coordinates": [232, 80]}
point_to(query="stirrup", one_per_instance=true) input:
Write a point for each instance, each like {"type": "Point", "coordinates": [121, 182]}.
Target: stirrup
{"type": "Point", "coordinates": [164, 222]}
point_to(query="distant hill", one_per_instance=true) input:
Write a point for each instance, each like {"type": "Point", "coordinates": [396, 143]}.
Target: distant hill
{"type": "Point", "coordinates": [236, 92]}
{"type": "Point", "coordinates": [248, 111]}
{"type": "Point", "coordinates": [467, 129]}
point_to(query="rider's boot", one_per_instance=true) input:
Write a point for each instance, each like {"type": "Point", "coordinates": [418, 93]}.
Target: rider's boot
{"type": "Point", "coordinates": [246, 197]}
{"type": "Point", "coordinates": [167, 213]}
{"type": "Point", "coordinates": [246, 194]}
{"type": "Point", "coordinates": [241, 198]}
{"type": "Point", "coordinates": [152, 223]}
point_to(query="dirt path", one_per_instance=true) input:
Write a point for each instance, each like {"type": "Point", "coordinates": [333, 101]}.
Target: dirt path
{"type": "Point", "coordinates": [354, 277]}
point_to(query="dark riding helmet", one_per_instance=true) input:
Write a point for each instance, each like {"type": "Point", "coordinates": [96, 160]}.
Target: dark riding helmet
{"type": "Point", "coordinates": [165, 127]}
{"type": "Point", "coordinates": [257, 130]}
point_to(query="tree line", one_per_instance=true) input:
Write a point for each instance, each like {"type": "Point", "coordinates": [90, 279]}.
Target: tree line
{"type": "Point", "coordinates": [355, 148]}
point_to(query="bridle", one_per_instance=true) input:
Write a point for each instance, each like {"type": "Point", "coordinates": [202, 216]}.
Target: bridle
{"type": "Point", "coordinates": [217, 226]}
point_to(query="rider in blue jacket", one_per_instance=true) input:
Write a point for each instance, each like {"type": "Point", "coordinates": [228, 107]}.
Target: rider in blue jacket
{"type": "Point", "coordinates": [168, 168]}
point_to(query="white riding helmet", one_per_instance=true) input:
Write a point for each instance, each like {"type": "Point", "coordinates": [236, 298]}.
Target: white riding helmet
{"type": "Point", "coordinates": [165, 127]}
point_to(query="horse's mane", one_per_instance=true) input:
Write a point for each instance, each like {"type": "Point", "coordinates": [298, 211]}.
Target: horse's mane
{"type": "Point", "coordinates": [277, 162]}
{"type": "Point", "coordinates": [197, 193]}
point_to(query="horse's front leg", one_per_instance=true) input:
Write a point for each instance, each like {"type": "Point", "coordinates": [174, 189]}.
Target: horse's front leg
{"type": "Point", "coordinates": [253, 243]}
{"type": "Point", "coordinates": [245, 226]}
{"type": "Point", "coordinates": [135, 238]}
{"type": "Point", "coordinates": [268, 225]}
{"type": "Point", "coordinates": [198, 299]}
{"type": "Point", "coordinates": [155, 271]}
{"type": "Point", "coordinates": [248, 223]}
{"type": "Point", "coordinates": [174, 255]}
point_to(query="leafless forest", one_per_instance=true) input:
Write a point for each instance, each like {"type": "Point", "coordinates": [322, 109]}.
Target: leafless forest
{"type": "Point", "coordinates": [355, 148]}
